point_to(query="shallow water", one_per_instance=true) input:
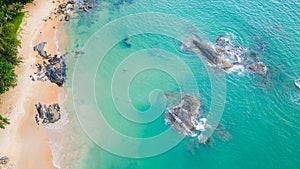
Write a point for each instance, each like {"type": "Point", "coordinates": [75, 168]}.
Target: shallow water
{"type": "Point", "coordinates": [261, 113]}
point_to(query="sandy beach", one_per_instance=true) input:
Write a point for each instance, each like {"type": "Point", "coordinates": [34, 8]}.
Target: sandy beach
{"type": "Point", "coordinates": [23, 141]}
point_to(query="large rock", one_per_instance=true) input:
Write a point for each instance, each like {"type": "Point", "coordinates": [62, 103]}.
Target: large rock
{"type": "Point", "coordinates": [207, 50]}
{"type": "Point", "coordinates": [40, 49]}
{"type": "Point", "coordinates": [48, 114]}
{"type": "Point", "coordinates": [225, 55]}
{"type": "Point", "coordinates": [56, 70]}
{"type": "Point", "coordinates": [53, 69]}
{"type": "Point", "coordinates": [184, 117]}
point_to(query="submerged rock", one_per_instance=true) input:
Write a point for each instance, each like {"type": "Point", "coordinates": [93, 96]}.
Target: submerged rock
{"type": "Point", "coordinates": [222, 133]}
{"type": "Point", "coordinates": [184, 117]}
{"type": "Point", "coordinates": [40, 49]}
{"type": "Point", "coordinates": [48, 114]}
{"type": "Point", "coordinates": [126, 43]}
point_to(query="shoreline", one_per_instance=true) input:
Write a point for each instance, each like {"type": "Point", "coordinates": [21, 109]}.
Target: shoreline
{"type": "Point", "coordinates": [23, 141]}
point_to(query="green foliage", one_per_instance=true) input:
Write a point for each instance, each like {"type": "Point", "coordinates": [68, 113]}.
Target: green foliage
{"type": "Point", "coordinates": [3, 122]}
{"type": "Point", "coordinates": [17, 22]}
{"type": "Point", "coordinates": [8, 78]}
{"type": "Point", "coordinates": [2, 2]}
{"type": "Point", "coordinates": [10, 20]}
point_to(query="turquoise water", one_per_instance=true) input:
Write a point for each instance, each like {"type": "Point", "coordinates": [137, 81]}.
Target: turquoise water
{"type": "Point", "coordinates": [261, 113]}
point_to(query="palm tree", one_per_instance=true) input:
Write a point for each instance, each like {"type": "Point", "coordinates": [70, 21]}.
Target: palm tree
{"type": "Point", "coordinates": [18, 7]}
{"type": "Point", "coordinates": [8, 78]}
{"type": "Point", "coordinates": [7, 11]}
{"type": "Point", "coordinates": [3, 122]}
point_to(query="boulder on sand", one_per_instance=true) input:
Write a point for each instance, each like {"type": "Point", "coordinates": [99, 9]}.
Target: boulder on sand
{"type": "Point", "coordinates": [4, 160]}
{"type": "Point", "coordinates": [40, 49]}
{"type": "Point", "coordinates": [48, 114]}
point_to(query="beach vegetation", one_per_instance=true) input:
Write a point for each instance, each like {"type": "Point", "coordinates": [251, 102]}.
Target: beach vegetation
{"type": "Point", "coordinates": [3, 122]}
{"type": "Point", "coordinates": [10, 20]}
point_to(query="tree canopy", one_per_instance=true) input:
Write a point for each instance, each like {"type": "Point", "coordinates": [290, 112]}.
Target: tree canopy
{"type": "Point", "coordinates": [9, 10]}
{"type": "Point", "coordinates": [3, 2]}
{"type": "Point", "coordinates": [10, 20]}
{"type": "Point", "coordinates": [3, 122]}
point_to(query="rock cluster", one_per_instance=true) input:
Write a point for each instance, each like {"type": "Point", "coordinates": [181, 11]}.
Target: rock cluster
{"type": "Point", "coordinates": [238, 55]}
{"type": "Point", "coordinates": [85, 6]}
{"type": "Point", "coordinates": [48, 114]}
{"type": "Point", "coordinates": [225, 55]}
{"type": "Point", "coordinates": [65, 9]}
{"type": "Point", "coordinates": [56, 70]}
{"type": "Point", "coordinates": [184, 117]}
{"type": "Point", "coordinates": [53, 68]}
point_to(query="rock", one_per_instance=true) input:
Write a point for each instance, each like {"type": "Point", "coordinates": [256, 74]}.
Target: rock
{"type": "Point", "coordinates": [184, 117]}
{"type": "Point", "coordinates": [67, 17]}
{"type": "Point", "coordinates": [69, 8]}
{"type": "Point", "coordinates": [203, 139]}
{"type": "Point", "coordinates": [4, 160]}
{"type": "Point", "coordinates": [78, 53]}
{"type": "Point", "coordinates": [207, 50]}
{"type": "Point", "coordinates": [226, 64]}
{"type": "Point", "coordinates": [225, 55]}
{"type": "Point", "coordinates": [85, 9]}
{"type": "Point", "coordinates": [40, 49]}
{"type": "Point", "coordinates": [297, 83]}
{"type": "Point", "coordinates": [71, 2]}
{"type": "Point", "coordinates": [126, 43]}
{"type": "Point", "coordinates": [54, 69]}
{"type": "Point", "coordinates": [48, 114]}
{"type": "Point", "coordinates": [258, 67]}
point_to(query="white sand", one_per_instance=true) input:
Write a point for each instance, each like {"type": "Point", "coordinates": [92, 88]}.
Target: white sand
{"type": "Point", "coordinates": [25, 143]}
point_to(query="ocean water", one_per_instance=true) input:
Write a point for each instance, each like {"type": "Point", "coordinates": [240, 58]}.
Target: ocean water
{"type": "Point", "coordinates": [116, 85]}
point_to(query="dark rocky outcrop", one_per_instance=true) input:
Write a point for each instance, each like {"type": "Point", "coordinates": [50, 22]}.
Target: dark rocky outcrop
{"type": "Point", "coordinates": [258, 67]}
{"type": "Point", "coordinates": [56, 70]}
{"type": "Point", "coordinates": [66, 8]}
{"type": "Point", "coordinates": [53, 69]}
{"type": "Point", "coordinates": [209, 52]}
{"type": "Point", "coordinates": [184, 117]}
{"type": "Point", "coordinates": [225, 55]}
{"type": "Point", "coordinates": [48, 114]}
{"type": "Point", "coordinates": [40, 49]}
